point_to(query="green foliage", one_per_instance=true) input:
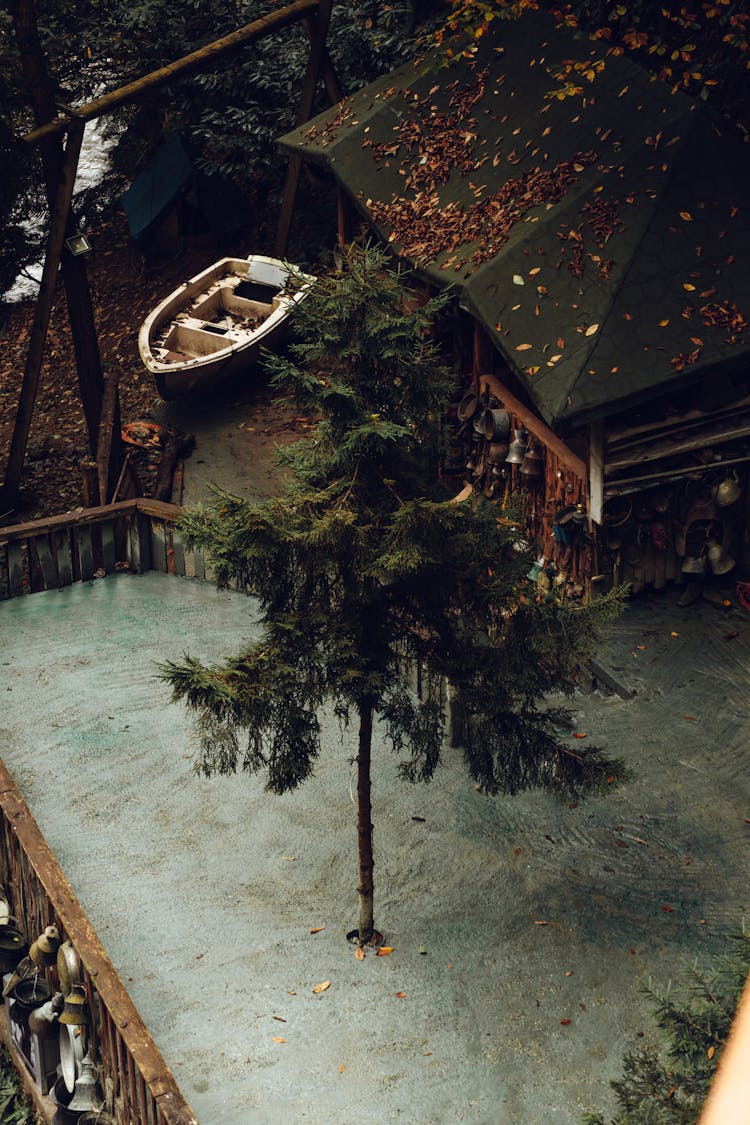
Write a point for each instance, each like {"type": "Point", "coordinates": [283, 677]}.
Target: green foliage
{"type": "Point", "coordinates": [363, 566]}
{"type": "Point", "coordinates": [15, 1107]}
{"type": "Point", "coordinates": [669, 1087]}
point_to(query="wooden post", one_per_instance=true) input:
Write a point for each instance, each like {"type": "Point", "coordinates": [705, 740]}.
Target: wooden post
{"type": "Point", "coordinates": [318, 29]}
{"type": "Point", "coordinates": [42, 312]}
{"type": "Point", "coordinates": [109, 444]}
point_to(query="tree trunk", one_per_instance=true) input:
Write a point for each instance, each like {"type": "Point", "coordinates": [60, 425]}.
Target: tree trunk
{"type": "Point", "coordinates": [364, 825]}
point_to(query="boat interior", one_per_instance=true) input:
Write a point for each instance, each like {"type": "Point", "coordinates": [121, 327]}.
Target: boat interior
{"type": "Point", "coordinates": [215, 321]}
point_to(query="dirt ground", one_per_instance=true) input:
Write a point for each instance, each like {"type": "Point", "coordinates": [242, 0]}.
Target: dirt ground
{"type": "Point", "coordinates": [124, 289]}
{"type": "Point", "coordinates": [521, 927]}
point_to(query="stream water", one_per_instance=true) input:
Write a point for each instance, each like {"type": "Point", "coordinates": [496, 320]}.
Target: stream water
{"type": "Point", "coordinates": [92, 166]}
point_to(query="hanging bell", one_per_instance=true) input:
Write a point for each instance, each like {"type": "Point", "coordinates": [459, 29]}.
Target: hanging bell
{"type": "Point", "coordinates": [86, 1094]}
{"type": "Point", "coordinates": [74, 1008]}
{"type": "Point", "coordinates": [44, 950]}
{"type": "Point", "coordinates": [518, 448]}
{"type": "Point", "coordinates": [531, 466]}
{"type": "Point", "coordinates": [497, 451]}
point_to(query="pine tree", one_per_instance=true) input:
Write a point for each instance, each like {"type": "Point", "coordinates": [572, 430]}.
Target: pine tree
{"type": "Point", "coordinates": [694, 1016]}
{"type": "Point", "coordinates": [363, 569]}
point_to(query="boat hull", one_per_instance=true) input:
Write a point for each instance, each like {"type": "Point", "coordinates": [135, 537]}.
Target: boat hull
{"type": "Point", "coordinates": [212, 328]}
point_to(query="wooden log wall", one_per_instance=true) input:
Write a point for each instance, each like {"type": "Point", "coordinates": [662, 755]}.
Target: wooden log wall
{"type": "Point", "coordinates": [139, 1086]}
{"type": "Point", "coordinates": [133, 535]}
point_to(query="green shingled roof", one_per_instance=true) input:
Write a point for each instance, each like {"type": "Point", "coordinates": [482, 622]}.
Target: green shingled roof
{"type": "Point", "coordinates": [601, 239]}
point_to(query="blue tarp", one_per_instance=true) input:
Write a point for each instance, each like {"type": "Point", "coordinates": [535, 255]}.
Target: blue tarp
{"type": "Point", "coordinates": [170, 172]}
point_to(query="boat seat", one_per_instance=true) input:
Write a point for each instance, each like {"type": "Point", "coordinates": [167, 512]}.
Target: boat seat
{"type": "Point", "coordinates": [193, 341]}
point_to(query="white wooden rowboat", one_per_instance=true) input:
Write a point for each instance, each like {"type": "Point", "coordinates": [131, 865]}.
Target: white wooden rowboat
{"type": "Point", "coordinates": [214, 325]}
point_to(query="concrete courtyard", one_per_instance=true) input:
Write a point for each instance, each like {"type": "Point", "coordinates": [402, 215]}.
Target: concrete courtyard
{"type": "Point", "coordinates": [507, 916]}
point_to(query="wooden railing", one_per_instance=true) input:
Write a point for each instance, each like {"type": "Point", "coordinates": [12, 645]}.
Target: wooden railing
{"type": "Point", "coordinates": [139, 1085]}
{"type": "Point", "coordinates": [136, 535]}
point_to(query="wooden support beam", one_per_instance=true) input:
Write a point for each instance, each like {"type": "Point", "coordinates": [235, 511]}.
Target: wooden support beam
{"type": "Point", "coordinates": [109, 445]}
{"type": "Point", "coordinates": [317, 30]}
{"type": "Point", "coordinates": [181, 68]}
{"type": "Point", "coordinates": [536, 426]}
{"type": "Point", "coordinates": [42, 313]}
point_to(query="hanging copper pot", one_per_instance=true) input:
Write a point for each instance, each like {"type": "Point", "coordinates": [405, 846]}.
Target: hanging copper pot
{"type": "Point", "coordinates": [75, 1008]}
{"type": "Point", "coordinates": [518, 447]}
{"type": "Point", "coordinates": [495, 424]}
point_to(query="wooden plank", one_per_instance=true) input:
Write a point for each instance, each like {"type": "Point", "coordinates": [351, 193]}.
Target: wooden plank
{"type": "Point", "coordinates": [178, 548]}
{"type": "Point", "coordinates": [46, 559]}
{"type": "Point", "coordinates": [91, 515]}
{"type": "Point", "coordinates": [85, 553]}
{"type": "Point", "coordinates": [61, 544]}
{"type": "Point", "coordinates": [109, 554]}
{"type": "Point", "coordinates": [158, 534]}
{"type": "Point", "coordinates": [109, 987]}
{"type": "Point", "coordinates": [671, 447]}
{"type": "Point", "coordinates": [15, 569]}
{"type": "Point", "coordinates": [36, 577]}
{"type": "Point", "coordinates": [4, 579]}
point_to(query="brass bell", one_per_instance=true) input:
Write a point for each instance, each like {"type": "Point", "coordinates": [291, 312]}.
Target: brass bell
{"type": "Point", "coordinates": [74, 1008]}
{"type": "Point", "coordinates": [518, 447]}
{"type": "Point", "coordinates": [531, 466]}
{"type": "Point", "coordinates": [44, 950]}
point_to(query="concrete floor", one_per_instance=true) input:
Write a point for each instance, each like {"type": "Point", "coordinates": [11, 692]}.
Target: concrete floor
{"type": "Point", "coordinates": [205, 892]}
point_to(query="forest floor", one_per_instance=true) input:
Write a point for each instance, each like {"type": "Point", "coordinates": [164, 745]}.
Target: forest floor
{"type": "Point", "coordinates": [124, 290]}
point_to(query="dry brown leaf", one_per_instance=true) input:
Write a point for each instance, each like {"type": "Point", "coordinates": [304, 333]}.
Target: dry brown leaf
{"type": "Point", "coordinates": [278, 1039]}
{"type": "Point", "coordinates": [711, 1052]}
{"type": "Point", "coordinates": [359, 953]}
{"type": "Point", "coordinates": [322, 986]}
{"type": "Point", "coordinates": [592, 328]}
{"type": "Point", "coordinates": [538, 922]}
{"type": "Point", "coordinates": [384, 951]}
{"type": "Point", "coordinates": [523, 347]}
{"type": "Point", "coordinates": [401, 995]}
{"type": "Point", "coordinates": [342, 1068]}
{"type": "Point", "coordinates": [688, 287]}
{"type": "Point", "coordinates": [317, 929]}
{"type": "Point", "coordinates": [663, 323]}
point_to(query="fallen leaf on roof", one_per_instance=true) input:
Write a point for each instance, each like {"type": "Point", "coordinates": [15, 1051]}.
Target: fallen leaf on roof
{"type": "Point", "coordinates": [539, 922]}
{"type": "Point", "coordinates": [667, 909]}
{"type": "Point", "coordinates": [688, 287]}
{"type": "Point", "coordinates": [322, 986]}
{"type": "Point", "coordinates": [689, 718]}
{"type": "Point", "coordinates": [278, 1039]}
{"type": "Point", "coordinates": [517, 279]}
{"type": "Point", "coordinates": [686, 216]}
{"type": "Point", "coordinates": [523, 347]}
{"type": "Point", "coordinates": [359, 953]}
{"type": "Point", "coordinates": [580, 734]}
{"type": "Point", "coordinates": [663, 323]}
{"type": "Point", "coordinates": [317, 929]}
{"type": "Point", "coordinates": [592, 328]}
{"type": "Point", "coordinates": [565, 1022]}
{"type": "Point", "coordinates": [401, 995]}
{"type": "Point", "coordinates": [384, 951]}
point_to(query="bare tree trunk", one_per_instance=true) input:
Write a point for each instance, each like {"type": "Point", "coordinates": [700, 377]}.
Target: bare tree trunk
{"type": "Point", "coordinates": [364, 825]}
